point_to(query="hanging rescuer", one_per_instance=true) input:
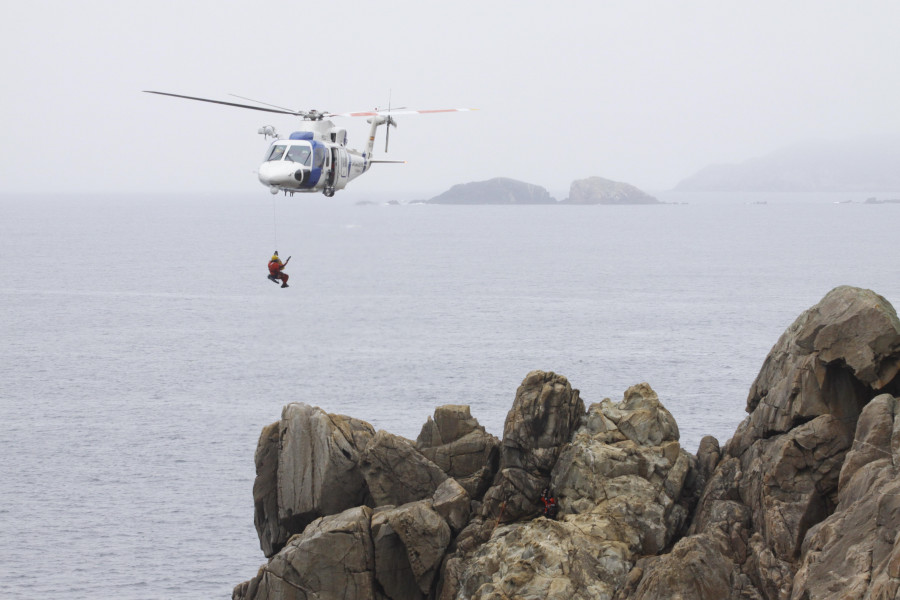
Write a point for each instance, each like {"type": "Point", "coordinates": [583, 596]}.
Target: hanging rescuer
{"type": "Point", "coordinates": [276, 270]}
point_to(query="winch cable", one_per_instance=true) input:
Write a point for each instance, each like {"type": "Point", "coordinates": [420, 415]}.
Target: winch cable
{"type": "Point", "coordinates": [274, 220]}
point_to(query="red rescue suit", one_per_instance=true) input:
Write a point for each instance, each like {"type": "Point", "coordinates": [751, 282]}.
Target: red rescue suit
{"type": "Point", "coordinates": [275, 271]}
{"type": "Point", "coordinates": [550, 507]}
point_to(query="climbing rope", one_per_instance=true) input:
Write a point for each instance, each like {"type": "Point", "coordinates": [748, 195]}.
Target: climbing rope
{"type": "Point", "coordinates": [502, 508]}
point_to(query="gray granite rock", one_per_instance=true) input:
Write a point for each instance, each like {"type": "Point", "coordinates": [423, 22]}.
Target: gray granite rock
{"type": "Point", "coordinates": [396, 473]}
{"type": "Point", "coordinates": [307, 467]}
{"type": "Point", "coordinates": [455, 442]}
{"type": "Point", "coordinates": [333, 558]}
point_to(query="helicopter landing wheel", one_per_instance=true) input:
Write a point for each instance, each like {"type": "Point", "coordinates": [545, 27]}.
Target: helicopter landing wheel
{"type": "Point", "coordinates": [329, 192]}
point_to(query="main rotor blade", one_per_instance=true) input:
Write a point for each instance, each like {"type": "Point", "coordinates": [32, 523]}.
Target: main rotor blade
{"type": "Point", "coordinates": [272, 110]}
{"type": "Point", "coordinates": [373, 113]}
{"type": "Point", "coordinates": [259, 102]}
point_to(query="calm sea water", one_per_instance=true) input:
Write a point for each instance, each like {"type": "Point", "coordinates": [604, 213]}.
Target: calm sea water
{"type": "Point", "coordinates": [143, 349]}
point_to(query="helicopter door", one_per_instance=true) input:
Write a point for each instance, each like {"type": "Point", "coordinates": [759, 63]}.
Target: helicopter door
{"type": "Point", "coordinates": [333, 172]}
{"type": "Point", "coordinates": [319, 164]}
{"type": "Point", "coordinates": [345, 163]}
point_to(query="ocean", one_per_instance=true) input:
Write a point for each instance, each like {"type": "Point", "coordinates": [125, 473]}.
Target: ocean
{"type": "Point", "coordinates": [143, 348]}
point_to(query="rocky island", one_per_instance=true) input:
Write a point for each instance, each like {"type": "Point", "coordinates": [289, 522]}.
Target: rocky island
{"type": "Point", "coordinates": [597, 190]}
{"type": "Point", "coordinates": [800, 504]}
{"type": "Point", "coordinates": [500, 190]}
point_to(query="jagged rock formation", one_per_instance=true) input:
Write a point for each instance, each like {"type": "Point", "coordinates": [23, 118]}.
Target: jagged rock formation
{"type": "Point", "coordinates": [396, 473]}
{"type": "Point", "coordinates": [307, 466]}
{"type": "Point", "coordinates": [456, 443]}
{"type": "Point", "coordinates": [500, 190]}
{"type": "Point", "coordinates": [619, 494]}
{"type": "Point", "coordinates": [856, 548]}
{"type": "Point", "coordinates": [334, 557]}
{"type": "Point", "coordinates": [803, 503]}
{"type": "Point", "coordinates": [772, 500]}
{"type": "Point", "coordinates": [597, 190]}
{"type": "Point", "coordinates": [544, 414]}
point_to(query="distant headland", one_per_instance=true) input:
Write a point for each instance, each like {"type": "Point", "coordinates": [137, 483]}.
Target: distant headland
{"type": "Point", "coordinates": [859, 165]}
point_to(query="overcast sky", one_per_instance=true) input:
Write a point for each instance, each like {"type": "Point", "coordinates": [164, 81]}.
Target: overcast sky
{"type": "Point", "coordinates": [646, 92]}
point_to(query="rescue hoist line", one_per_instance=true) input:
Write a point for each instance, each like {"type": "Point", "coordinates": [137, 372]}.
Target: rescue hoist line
{"type": "Point", "coordinates": [274, 222]}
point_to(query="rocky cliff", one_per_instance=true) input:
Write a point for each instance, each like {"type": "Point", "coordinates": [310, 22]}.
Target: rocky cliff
{"type": "Point", "coordinates": [800, 504]}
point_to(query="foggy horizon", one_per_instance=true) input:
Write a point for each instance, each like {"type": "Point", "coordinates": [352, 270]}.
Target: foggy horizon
{"type": "Point", "coordinates": [646, 93]}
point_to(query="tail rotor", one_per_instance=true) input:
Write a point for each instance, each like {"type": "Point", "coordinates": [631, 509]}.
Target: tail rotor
{"type": "Point", "coordinates": [390, 123]}
{"type": "Point", "coordinates": [387, 138]}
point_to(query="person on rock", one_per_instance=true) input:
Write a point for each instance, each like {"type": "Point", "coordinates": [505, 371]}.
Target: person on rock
{"type": "Point", "coordinates": [276, 270]}
{"type": "Point", "coordinates": [551, 508]}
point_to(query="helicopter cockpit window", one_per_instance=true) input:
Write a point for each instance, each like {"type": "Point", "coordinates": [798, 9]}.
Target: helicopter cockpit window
{"type": "Point", "coordinates": [299, 154]}
{"type": "Point", "coordinates": [276, 153]}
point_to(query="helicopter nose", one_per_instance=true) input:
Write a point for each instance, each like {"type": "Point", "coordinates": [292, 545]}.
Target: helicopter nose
{"type": "Point", "coordinates": [277, 173]}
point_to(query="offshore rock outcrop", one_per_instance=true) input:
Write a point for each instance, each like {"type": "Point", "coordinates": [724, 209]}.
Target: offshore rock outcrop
{"type": "Point", "coordinates": [597, 190]}
{"type": "Point", "coordinates": [500, 190]}
{"type": "Point", "coordinates": [801, 504]}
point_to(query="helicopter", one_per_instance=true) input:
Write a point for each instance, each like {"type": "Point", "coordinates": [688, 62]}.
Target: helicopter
{"type": "Point", "coordinates": [316, 158]}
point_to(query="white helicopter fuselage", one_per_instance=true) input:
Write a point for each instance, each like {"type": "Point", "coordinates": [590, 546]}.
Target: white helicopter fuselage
{"type": "Point", "coordinates": [315, 159]}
